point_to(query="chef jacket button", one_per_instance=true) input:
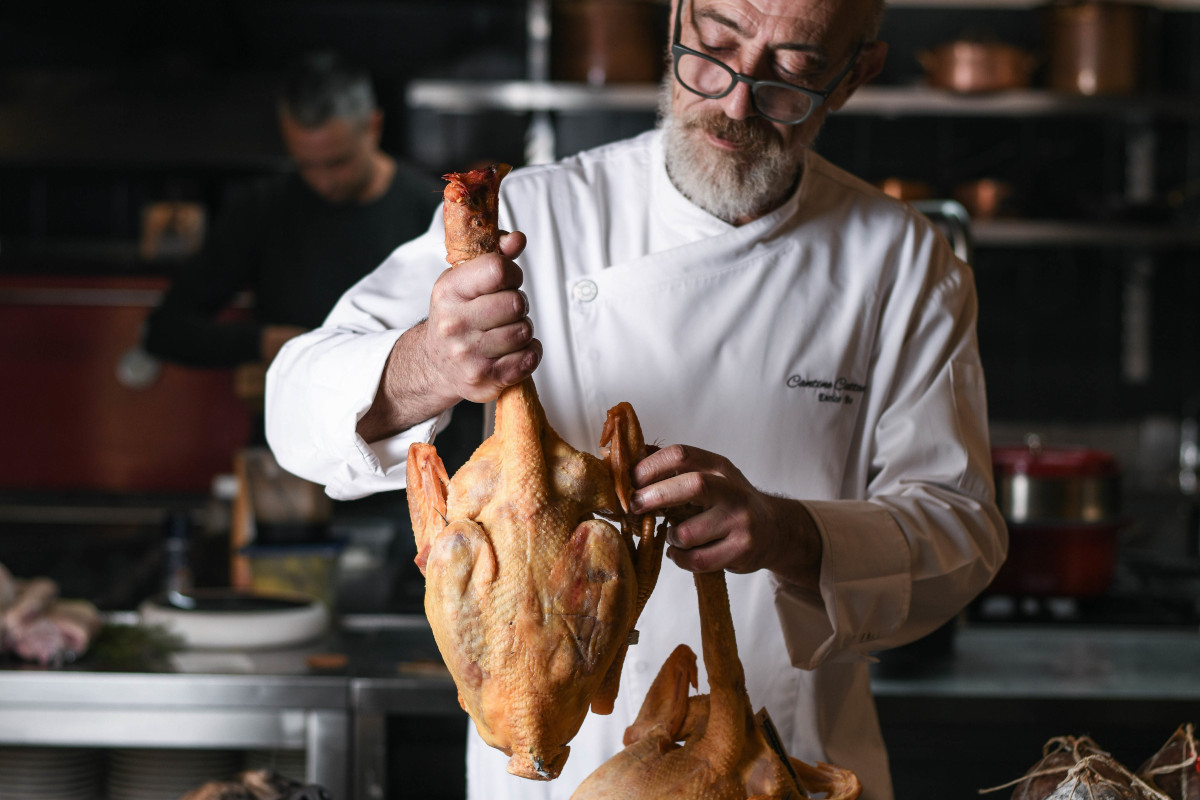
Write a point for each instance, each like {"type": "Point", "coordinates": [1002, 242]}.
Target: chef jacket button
{"type": "Point", "coordinates": [641, 666]}
{"type": "Point", "coordinates": [585, 291]}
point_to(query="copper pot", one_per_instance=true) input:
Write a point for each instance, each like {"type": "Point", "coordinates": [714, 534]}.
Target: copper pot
{"type": "Point", "coordinates": [607, 41]}
{"type": "Point", "coordinates": [1095, 47]}
{"type": "Point", "coordinates": [1062, 506]}
{"type": "Point", "coordinates": [1064, 560]}
{"type": "Point", "coordinates": [969, 66]}
{"type": "Point", "coordinates": [986, 198]}
{"type": "Point", "coordinates": [905, 189]}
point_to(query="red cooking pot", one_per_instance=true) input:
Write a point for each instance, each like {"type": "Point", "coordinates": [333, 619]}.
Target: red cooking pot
{"type": "Point", "coordinates": [1062, 507]}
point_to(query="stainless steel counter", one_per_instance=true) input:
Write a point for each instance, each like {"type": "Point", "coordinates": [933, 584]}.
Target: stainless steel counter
{"type": "Point", "coordinates": [979, 716]}
{"type": "Point", "coordinates": [1060, 662]}
{"type": "Point", "coordinates": [225, 712]}
{"type": "Point", "coordinates": [243, 700]}
{"type": "Point", "coordinates": [273, 699]}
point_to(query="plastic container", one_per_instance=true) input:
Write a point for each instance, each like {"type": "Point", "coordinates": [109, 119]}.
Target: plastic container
{"type": "Point", "coordinates": [300, 569]}
{"type": "Point", "coordinates": [1056, 485]}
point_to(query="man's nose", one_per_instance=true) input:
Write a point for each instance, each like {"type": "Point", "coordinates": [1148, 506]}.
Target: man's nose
{"type": "Point", "coordinates": [739, 103]}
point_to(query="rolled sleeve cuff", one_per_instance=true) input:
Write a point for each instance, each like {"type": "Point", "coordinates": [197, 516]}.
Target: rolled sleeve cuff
{"type": "Point", "coordinates": [379, 466]}
{"type": "Point", "coordinates": [341, 387]}
{"type": "Point", "coordinates": [864, 589]}
{"type": "Point", "coordinates": [382, 465]}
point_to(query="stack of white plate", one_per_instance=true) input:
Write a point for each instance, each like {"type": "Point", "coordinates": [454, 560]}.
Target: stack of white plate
{"type": "Point", "coordinates": [147, 774]}
{"type": "Point", "coordinates": [289, 763]}
{"type": "Point", "coordinates": [49, 773]}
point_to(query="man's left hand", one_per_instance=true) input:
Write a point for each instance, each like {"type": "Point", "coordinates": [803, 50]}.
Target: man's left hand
{"type": "Point", "coordinates": [720, 520]}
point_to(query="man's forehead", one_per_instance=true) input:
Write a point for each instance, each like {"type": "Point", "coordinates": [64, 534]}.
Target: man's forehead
{"type": "Point", "coordinates": [759, 9]}
{"type": "Point", "coordinates": [748, 18]}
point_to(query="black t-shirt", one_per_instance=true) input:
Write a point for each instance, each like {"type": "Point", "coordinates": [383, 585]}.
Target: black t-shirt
{"type": "Point", "coordinates": [295, 252]}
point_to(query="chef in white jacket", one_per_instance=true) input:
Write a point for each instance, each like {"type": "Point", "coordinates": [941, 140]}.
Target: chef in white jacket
{"type": "Point", "coordinates": [802, 345]}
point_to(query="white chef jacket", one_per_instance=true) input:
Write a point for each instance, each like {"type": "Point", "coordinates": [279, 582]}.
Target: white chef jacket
{"type": "Point", "coordinates": [827, 349]}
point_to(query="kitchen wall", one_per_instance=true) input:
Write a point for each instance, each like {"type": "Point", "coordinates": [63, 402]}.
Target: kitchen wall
{"type": "Point", "coordinates": [104, 112]}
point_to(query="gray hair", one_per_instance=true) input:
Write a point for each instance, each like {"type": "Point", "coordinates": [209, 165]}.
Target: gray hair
{"type": "Point", "coordinates": [323, 86]}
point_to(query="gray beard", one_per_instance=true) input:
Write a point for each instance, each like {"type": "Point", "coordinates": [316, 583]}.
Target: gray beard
{"type": "Point", "coordinates": [734, 187]}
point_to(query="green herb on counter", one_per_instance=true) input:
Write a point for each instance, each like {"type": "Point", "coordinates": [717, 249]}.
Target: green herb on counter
{"type": "Point", "coordinates": [133, 648]}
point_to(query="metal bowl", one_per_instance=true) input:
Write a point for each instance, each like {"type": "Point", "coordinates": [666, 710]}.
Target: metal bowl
{"type": "Point", "coordinates": [1035, 484]}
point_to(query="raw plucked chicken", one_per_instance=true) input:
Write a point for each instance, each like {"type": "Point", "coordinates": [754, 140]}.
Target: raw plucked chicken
{"type": "Point", "coordinates": [532, 599]}
{"type": "Point", "coordinates": [36, 625]}
{"type": "Point", "coordinates": [709, 747]}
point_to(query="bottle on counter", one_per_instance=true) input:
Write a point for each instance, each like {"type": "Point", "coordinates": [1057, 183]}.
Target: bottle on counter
{"type": "Point", "coordinates": [177, 559]}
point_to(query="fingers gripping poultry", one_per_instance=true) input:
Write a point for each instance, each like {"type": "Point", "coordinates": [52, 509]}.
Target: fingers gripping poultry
{"type": "Point", "coordinates": [531, 598]}
{"type": "Point", "coordinates": [726, 751]}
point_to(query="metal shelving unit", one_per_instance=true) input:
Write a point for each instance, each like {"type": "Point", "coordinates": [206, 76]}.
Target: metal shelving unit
{"type": "Point", "coordinates": [467, 97]}
{"type": "Point", "coordinates": [548, 97]}
{"type": "Point", "coordinates": [542, 98]}
{"type": "Point", "coordinates": [992, 5]}
{"type": "Point", "coordinates": [925, 101]}
{"type": "Point", "coordinates": [1037, 233]}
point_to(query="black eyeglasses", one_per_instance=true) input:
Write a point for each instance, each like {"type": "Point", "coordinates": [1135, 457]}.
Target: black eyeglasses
{"type": "Point", "coordinates": [777, 101]}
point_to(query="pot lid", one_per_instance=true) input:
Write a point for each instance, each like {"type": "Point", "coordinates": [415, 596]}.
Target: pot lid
{"type": "Point", "coordinates": [1038, 461]}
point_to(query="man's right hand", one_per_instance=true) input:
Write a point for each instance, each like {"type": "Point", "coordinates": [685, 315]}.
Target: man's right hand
{"type": "Point", "coordinates": [477, 340]}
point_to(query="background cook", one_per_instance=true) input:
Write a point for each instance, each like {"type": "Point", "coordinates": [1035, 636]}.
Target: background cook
{"type": "Point", "coordinates": [296, 241]}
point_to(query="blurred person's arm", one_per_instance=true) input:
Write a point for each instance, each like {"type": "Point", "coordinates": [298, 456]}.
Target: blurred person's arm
{"type": "Point", "coordinates": [190, 325]}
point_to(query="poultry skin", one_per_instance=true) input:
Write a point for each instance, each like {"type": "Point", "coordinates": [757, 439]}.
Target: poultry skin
{"type": "Point", "coordinates": [531, 598]}
{"type": "Point", "coordinates": [726, 751]}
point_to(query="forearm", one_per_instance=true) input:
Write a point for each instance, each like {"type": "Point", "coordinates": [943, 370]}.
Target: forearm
{"type": "Point", "coordinates": [410, 390]}
{"type": "Point", "coordinates": [188, 326]}
{"type": "Point", "coordinates": [797, 557]}
{"type": "Point", "coordinates": [187, 337]}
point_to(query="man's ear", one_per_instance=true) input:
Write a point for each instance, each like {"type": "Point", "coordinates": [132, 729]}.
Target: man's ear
{"type": "Point", "coordinates": [375, 124]}
{"type": "Point", "coordinates": [870, 64]}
